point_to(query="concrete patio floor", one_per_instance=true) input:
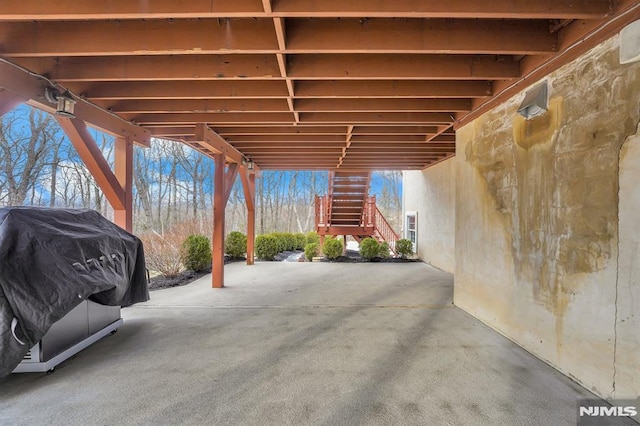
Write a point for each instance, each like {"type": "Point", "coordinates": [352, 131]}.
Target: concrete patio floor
{"type": "Point", "coordinates": [299, 343]}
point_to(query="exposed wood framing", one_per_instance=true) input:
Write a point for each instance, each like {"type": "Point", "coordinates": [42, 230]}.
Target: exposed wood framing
{"type": "Point", "coordinates": [359, 84]}
{"type": "Point", "coordinates": [90, 153]}
{"type": "Point", "coordinates": [223, 179]}
{"type": "Point", "coordinates": [123, 169]}
{"type": "Point", "coordinates": [249, 186]}
{"type": "Point", "coordinates": [9, 101]}
{"type": "Point", "coordinates": [31, 87]}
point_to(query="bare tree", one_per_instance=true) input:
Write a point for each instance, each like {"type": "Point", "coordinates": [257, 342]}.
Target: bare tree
{"type": "Point", "coordinates": [25, 145]}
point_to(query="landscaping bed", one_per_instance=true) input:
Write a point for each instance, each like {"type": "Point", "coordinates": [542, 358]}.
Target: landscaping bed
{"type": "Point", "coordinates": [185, 277]}
{"type": "Point", "coordinates": [354, 256]}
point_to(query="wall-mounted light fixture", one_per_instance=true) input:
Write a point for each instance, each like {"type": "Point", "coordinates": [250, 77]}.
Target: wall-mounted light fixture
{"type": "Point", "coordinates": [65, 103]}
{"type": "Point", "coordinates": [535, 102]}
{"type": "Point", "coordinates": [250, 165]}
{"type": "Point", "coordinates": [630, 43]}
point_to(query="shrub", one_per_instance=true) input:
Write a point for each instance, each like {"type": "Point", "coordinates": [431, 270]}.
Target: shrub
{"type": "Point", "coordinates": [311, 250]}
{"type": "Point", "coordinates": [383, 251]}
{"type": "Point", "coordinates": [332, 248]}
{"type": "Point", "coordinates": [266, 247]}
{"type": "Point", "coordinates": [369, 248]}
{"type": "Point", "coordinates": [281, 243]}
{"type": "Point", "coordinates": [301, 241]}
{"type": "Point", "coordinates": [286, 241]}
{"type": "Point", "coordinates": [313, 237]}
{"type": "Point", "coordinates": [404, 248]}
{"type": "Point", "coordinates": [162, 253]}
{"type": "Point", "coordinates": [235, 245]}
{"type": "Point", "coordinates": [196, 252]}
{"type": "Point", "coordinates": [291, 241]}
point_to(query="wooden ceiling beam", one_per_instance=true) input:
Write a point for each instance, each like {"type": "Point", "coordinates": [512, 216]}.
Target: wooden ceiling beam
{"type": "Point", "coordinates": [383, 105]}
{"type": "Point", "coordinates": [258, 35]}
{"type": "Point", "coordinates": [155, 68]}
{"type": "Point", "coordinates": [194, 89]}
{"type": "Point", "coordinates": [390, 151]}
{"type": "Point", "coordinates": [27, 10]}
{"type": "Point", "coordinates": [22, 10]}
{"type": "Point", "coordinates": [138, 37]}
{"type": "Point", "coordinates": [378, 118]}
{"type": "Point", "coordinates": [196, 105]}
{"type": "Point", "coordinates": [301, 67]}
{"type": "Point", "coordinates": [244, 146]}
{"type": "Point", "coordinates": [285, 138]}
{"type": "Point", "coordinates": [380, 35]}
{"type": "Point", "coordinates": [388, 137]}
{"type": "Point", "coordinates": [9, 101]}
{"type": "Point", "coordinates": [211, 140]}
{"type": "Point", "coordinates": [403, 145]}
{"type": "Point", "coordinates": [212, 118]}
{"type": "Point", "coordinates": [294, 151]}
{"type": "Point", "coordinates": [260, 158]}
{"type": "Point", "coordinates": [168, 131]}
{"type": "Point", "coordinates": [292, 130]}
{"type": "Point", "coordinates": [402, 66]}
{"type": "Point", "coordinates": [392, 89]}
{"type": "Point", "coordinates": [488, 9]}
{"type": "Point", "coordinates": [393, 130]}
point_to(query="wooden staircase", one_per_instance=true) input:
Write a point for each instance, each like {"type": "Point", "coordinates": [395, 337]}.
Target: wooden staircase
{"type": "Point", "coordinates": [349, 210]}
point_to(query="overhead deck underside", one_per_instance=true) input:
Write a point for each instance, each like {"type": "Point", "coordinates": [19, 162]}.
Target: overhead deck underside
{"type": "Point", "coordinates": [295, 84]}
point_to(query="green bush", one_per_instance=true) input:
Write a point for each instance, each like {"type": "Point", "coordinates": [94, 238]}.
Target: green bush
{"type": "Point", "coordinates": [313, 237]}
{"type": "Point", "coordinates": [404, 248]}
{"type": "Point", "coordinates": [301, 241]}
{"type": "Point", "coordinates": [332, 248]}
{"type": "Point", "coordinates": [311, 250]}
{"type": "Point", "coordinates": [369, 248]}
{"type": "Point", "coordinates": [291, 240]}
{"type": "Point", "coordinates": [383, 251]}
{"type": "Point", "coordinates": [266, 247]}
{"type": "Point", "coordinates": [286, 241]}
{"type": "Point", "coordinates": [281, 241]}
{"type": "Point", "coordinates": [196, 253]}
{"type": "Point", "coordinates": [235, 245]}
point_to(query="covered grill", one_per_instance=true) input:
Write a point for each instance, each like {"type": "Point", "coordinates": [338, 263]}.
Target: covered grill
{"type": "Point", "coordinates": [59, 262]}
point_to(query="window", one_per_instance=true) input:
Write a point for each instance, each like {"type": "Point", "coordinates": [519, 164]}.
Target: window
{"type": "Point", "coordinates": [411, 229]}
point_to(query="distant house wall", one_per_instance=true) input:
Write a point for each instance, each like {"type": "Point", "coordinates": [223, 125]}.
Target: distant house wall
{"type": "Point", "coordinates": [432, 197]}
{"type": "Point", "coordinates": [547, 228]}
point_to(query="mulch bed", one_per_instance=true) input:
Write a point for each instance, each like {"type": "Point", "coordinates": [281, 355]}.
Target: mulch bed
{"type": "Point", "coordinates": [185, 277]}
{"type": "Point", "coordinates": [353, 256]}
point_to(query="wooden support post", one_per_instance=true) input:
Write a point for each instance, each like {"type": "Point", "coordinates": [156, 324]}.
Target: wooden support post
{"type": "Point", "coordinates": [249, 185]}
{"type": "Point", "coordinates": [344, 244]}
{"type": "Point", "coordinates": [92, 157]}
{"type": "Point", "coordinates": [223, 182]}
{"type": "Point", "coordinates": [217, 271]}
{"type": "Point", "coordinates": [229, 179]}
{"type": "Point", "coordinates": [124, 174]}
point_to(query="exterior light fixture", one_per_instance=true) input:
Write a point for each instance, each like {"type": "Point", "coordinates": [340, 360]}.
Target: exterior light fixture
{"type": "Point", "coordinates": [65, 103]}
{"type": "Point", "coordinates": [630, 43]}
{"type": "Point", "coordinates": [249, 165]}
{"type": "Point", "coordinates": [535, 102]}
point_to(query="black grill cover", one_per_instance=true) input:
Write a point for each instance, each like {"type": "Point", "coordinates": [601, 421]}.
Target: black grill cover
{"type": "Point", "coordinates": [53, 259]}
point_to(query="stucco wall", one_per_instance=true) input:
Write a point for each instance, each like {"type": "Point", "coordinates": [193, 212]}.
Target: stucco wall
{"type": "Point", "coordinates": [432, 196]}
{"type": "Point", "coordinates": [536, 241]}
{"type": "Point", "coordinates": [627, 333]}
